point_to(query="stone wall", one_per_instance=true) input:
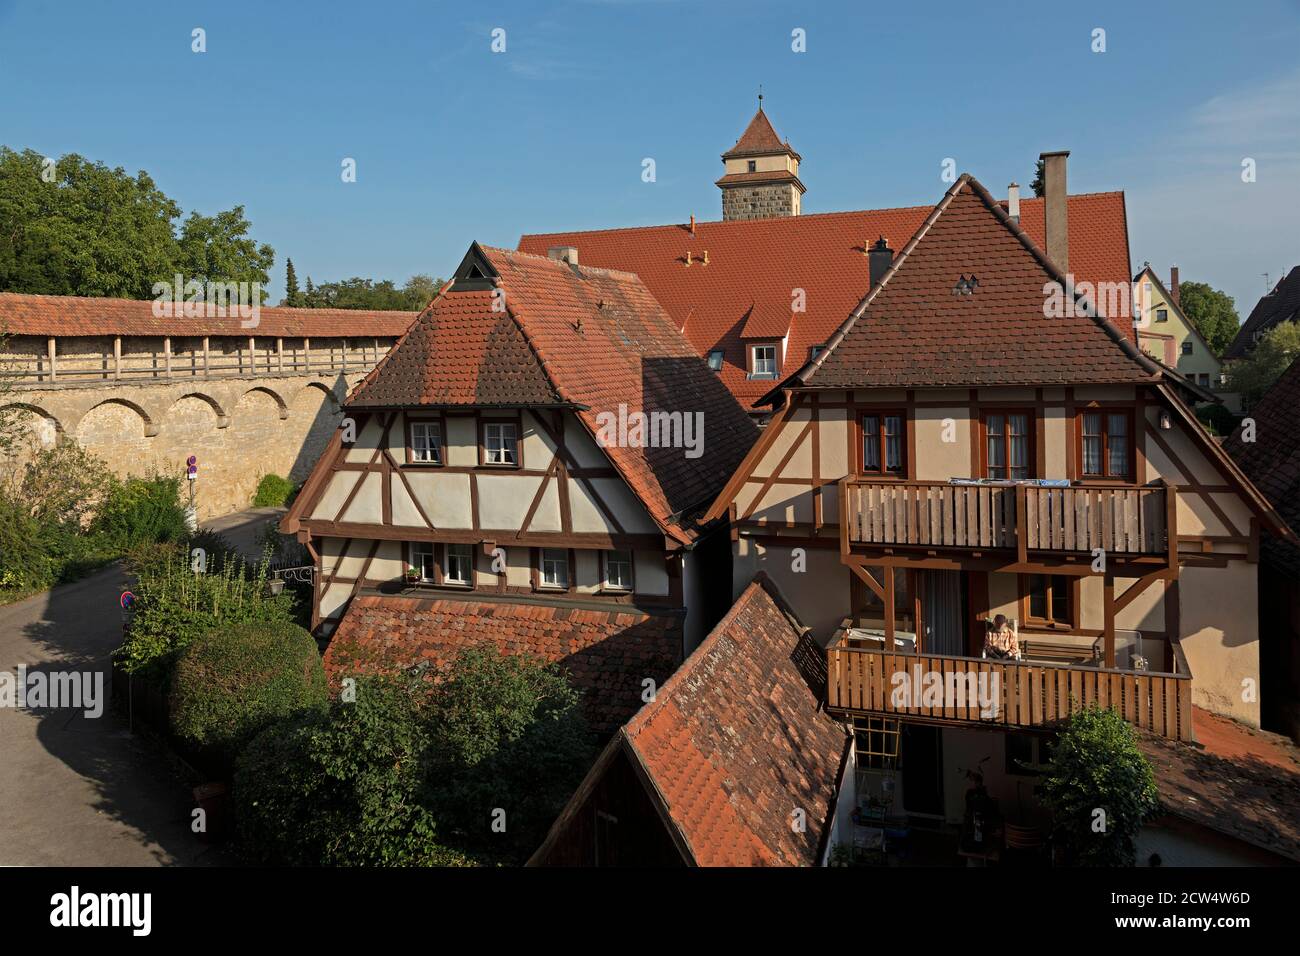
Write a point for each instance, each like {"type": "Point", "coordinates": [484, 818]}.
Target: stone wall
{"type": "Point", "coordinates": [759, 202]}
{"type": "Point", "coordinates": [240, 427]}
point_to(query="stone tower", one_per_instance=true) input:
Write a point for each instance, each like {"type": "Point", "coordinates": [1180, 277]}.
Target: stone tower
{"type": "Point", "coordinates": [761, 174]}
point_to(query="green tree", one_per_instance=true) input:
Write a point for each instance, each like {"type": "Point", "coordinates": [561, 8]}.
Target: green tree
{"type": "Point", "coordinates": [218, 249]}
{"type": "Point", "coordinates": [80, 228]}
{"type": "Point", "coordinates": [1099, 789]}
{"type": "Point", "coordinates": [292, 294]}
{"type": "Point", "coordinates": [1039, 185]}
{"type": "Point", "coordinates": [1214, 314]}
{"type": "Point", "coordinates": [1272, 355]}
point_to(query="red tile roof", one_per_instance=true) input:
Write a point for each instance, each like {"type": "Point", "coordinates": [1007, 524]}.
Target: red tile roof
{"type": "Point", "coordinates": [755, 266]}
{"type": "Point", "coordinates": [1272, 461]}
{"type": "Point", "coordinates": [1239, 781]}
{"type": "Point", "coordinates": [607, 654]}
{"type": "Point", "coordinates": [1281, 304]}
{"type": "Point", "coordinates": [589, 337]}
{"type": "Point", "coordinates": [759, 139]}
{"type": "Point", "coordinates": [68, 315]}
{"type": "Point", "coordinates": [736, 741]}
{"type": "Point", "coordinates": [912, 330]}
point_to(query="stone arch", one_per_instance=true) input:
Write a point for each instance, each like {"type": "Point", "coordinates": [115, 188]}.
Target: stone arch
{"type": "Point", "coordinates": [35, 428]}
{"type": "Point", "coordinates": [120, 432]}
{"type": "Point", "coordinates": [150, 421]}
{"type": "Point", "coordinates": [274, 395]}
{"type": "Point", "coordinates": [223, 417]}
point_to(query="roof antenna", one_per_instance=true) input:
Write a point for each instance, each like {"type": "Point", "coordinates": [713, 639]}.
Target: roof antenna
{"type": "Point", "coordinates": [760, 97]}
{"type": "Point", "coordinates": [1266, 285]}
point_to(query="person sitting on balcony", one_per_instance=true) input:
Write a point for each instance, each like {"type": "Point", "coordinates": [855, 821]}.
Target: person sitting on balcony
{"type": "Point", "coordinates": [1000, 640]}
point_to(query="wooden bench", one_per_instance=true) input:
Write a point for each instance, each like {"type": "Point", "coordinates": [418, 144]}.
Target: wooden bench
{"type": "Point", "coordinates": [1058, 653]}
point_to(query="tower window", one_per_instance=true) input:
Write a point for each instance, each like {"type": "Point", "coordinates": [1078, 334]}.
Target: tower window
{"type": "Point", "coordinates": [753, 165]}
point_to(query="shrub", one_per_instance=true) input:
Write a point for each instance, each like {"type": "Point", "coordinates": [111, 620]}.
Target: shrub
{"type": "Point", "coordinates": [343, 788]}
{"type": "Point", "coordinates": [140, 510]}
{"type": "Point", "coordinates": [27, 561]}
{"type": "Point", "coordinates": [1216, 419]}
{"type": "Point", "coordinates": [272, 492]}
{"type": "Point", "coordinates": [174, 606]}
{"type": "Point", "coordinates": [506, 728]}
{"type": "Point", "coordinates": [1099, 789]}
{"type": "Point", "coordinates": [232, 681]}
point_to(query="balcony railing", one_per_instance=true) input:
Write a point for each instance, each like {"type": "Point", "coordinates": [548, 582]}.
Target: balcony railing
{"type": "Point", "coordinates": [1121, 519]}
{"type": "Point", "coordinates": [1001, 693]}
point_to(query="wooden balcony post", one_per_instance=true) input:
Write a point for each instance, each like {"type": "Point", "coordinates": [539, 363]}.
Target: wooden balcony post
{"type": "Point", "coordinates": [252, 357]}
{"type": "Point", "coordinates": [52, 351]}
{"type": "Point", "coordinates": [343, 355]}
{"type": "Point", "coordinates": [306, 354]}
{"type": "Point", "coordinates": [167, 355]}
{"type": "Point", "coordinates": [279, 353]}
{"type": "Point", "coordinates": [206, 362]}
{"type": "Point", "coordinates": [889, 607]}
{"type": "Point", "coordinates": [1022, 523]}
{"type": "Point", "coordinates": [117, 356]}
{"type": "Point", "coordinates": [1171, 525]}
{"type": "Point", "coordinates": [1108, 608]}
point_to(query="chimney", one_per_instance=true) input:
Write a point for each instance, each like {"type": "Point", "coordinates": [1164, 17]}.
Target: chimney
{"type": "Point", "coordinates": [1173, 285]}
{"type": "Point", "coordinates": [567, 254]}
{"type": "Point", "coordinates": [880, 258]}
{"type": "Point", "coordinates": [692, 224]}
{"type": "Point", "coordinates": [1054, 208]}
{"type": "Point", "coordinates": [1013, 202]}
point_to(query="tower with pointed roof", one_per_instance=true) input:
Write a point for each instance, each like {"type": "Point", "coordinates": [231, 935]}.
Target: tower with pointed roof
{"type": "Point", "coordinates": [761, 174]}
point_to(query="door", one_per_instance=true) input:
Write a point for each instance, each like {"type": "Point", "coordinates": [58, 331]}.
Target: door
{"type": "Point", "coordinates": [921, 749]}
{"type": "Point", "coordinates": [941, 613]}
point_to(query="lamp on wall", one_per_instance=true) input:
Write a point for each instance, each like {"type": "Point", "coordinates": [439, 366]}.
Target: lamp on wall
{"type": "Point", "coordinates": [1166, 421]}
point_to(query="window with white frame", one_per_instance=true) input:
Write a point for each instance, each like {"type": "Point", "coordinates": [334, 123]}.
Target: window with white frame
{"type": "Point", "coordinates": [618, 570]}
{"type": "Point", "coordinates": [554, 568]}
{"type": "Point", "coordinates": [423, 561]}
{"type": "Point", "coordinates": [458, 568]}
{"type": "Point", "coordinates": [426, 442]}
{"type": "Point", "coordinates": [764, 361]}
{"type": "Point", "coordinates": [500, 443]}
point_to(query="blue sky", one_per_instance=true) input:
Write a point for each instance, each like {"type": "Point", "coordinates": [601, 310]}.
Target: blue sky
{"type": "Point", "coordinates": [454, 142]}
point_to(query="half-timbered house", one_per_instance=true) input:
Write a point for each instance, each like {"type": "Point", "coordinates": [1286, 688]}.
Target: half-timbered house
{"type": "Point", "coordinates": [529, 465]}
{"type": "Point", "coordinates": [975, 440]}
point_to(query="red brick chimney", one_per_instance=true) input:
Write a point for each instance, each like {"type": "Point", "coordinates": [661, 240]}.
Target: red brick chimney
{"type": "Point", "coordinates": [1173, 285]}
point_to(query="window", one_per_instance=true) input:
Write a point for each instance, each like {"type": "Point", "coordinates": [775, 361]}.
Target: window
{"type": "Point", "coordinates": [715, 360]}
{"type": "Point", "coordinates": [1007, 445]}
{"type": "Point", "coordinates": [426, 442]}
{"type": "Point", "coordinates": [753, 165]}
{"type": "Point", "coordinates": [1187, 347]}
{"type": "Point", "coordinates": [500, 443]}
{"type": "Point", "coordinates": [1105, 444]}
{"type": "Point", "coordinates": [459, 565]}
{"type": "Point", "coordinates": [554, 568]}
{"type": "Point", "coordinates": [618, 570]}
{"type": "Point", "coordinates": [1048, 599]}
{"type": "Point", "coordinates": [764, 363]}
{"type": "Point", "coordinates": [882, 443]}
{"type": "Point", "coordinates": [818, 350]}
{"type": "Point", "coordinates": [1203, 379]}
{"type": "Point", "coordinates": [1162, 315]}
{"type": "Point", "coordinates": [423, 562]}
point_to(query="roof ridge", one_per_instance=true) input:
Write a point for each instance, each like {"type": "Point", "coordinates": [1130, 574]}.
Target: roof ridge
{"type": "Point", "coordinates": [1131, 351]}
{"type": "Point", "coordinates": [295, 309]}
{"type": "Point", "coordinates": [595, 270]}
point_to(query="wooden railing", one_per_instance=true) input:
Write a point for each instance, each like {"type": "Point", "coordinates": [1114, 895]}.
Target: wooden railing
{"type": "Point", "coordinates": [1006, 693]}
{"type": "Point", "coordinates": [1118, 518]}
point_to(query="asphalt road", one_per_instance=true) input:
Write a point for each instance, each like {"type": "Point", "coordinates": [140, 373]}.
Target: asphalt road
{"type": "Point", "coordinates": [77, 790]}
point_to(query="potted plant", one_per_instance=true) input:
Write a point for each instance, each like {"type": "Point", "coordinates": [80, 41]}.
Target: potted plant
{"type": "Point", "coordinates": [412, 575]}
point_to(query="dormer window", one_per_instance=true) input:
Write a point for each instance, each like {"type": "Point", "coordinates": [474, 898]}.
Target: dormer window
{"type": "Point", "coordinates": [818, 350]}
{"type": "Point", "coordinates": [715, 360]}
{"type": "Point", "coordinates": [762, 361]}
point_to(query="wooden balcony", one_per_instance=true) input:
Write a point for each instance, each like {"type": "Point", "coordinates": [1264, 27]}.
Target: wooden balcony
{"type": "Point", "coordinates": [1027, 694]}
{"type": "Point", "coordinates": [1121, 519]}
